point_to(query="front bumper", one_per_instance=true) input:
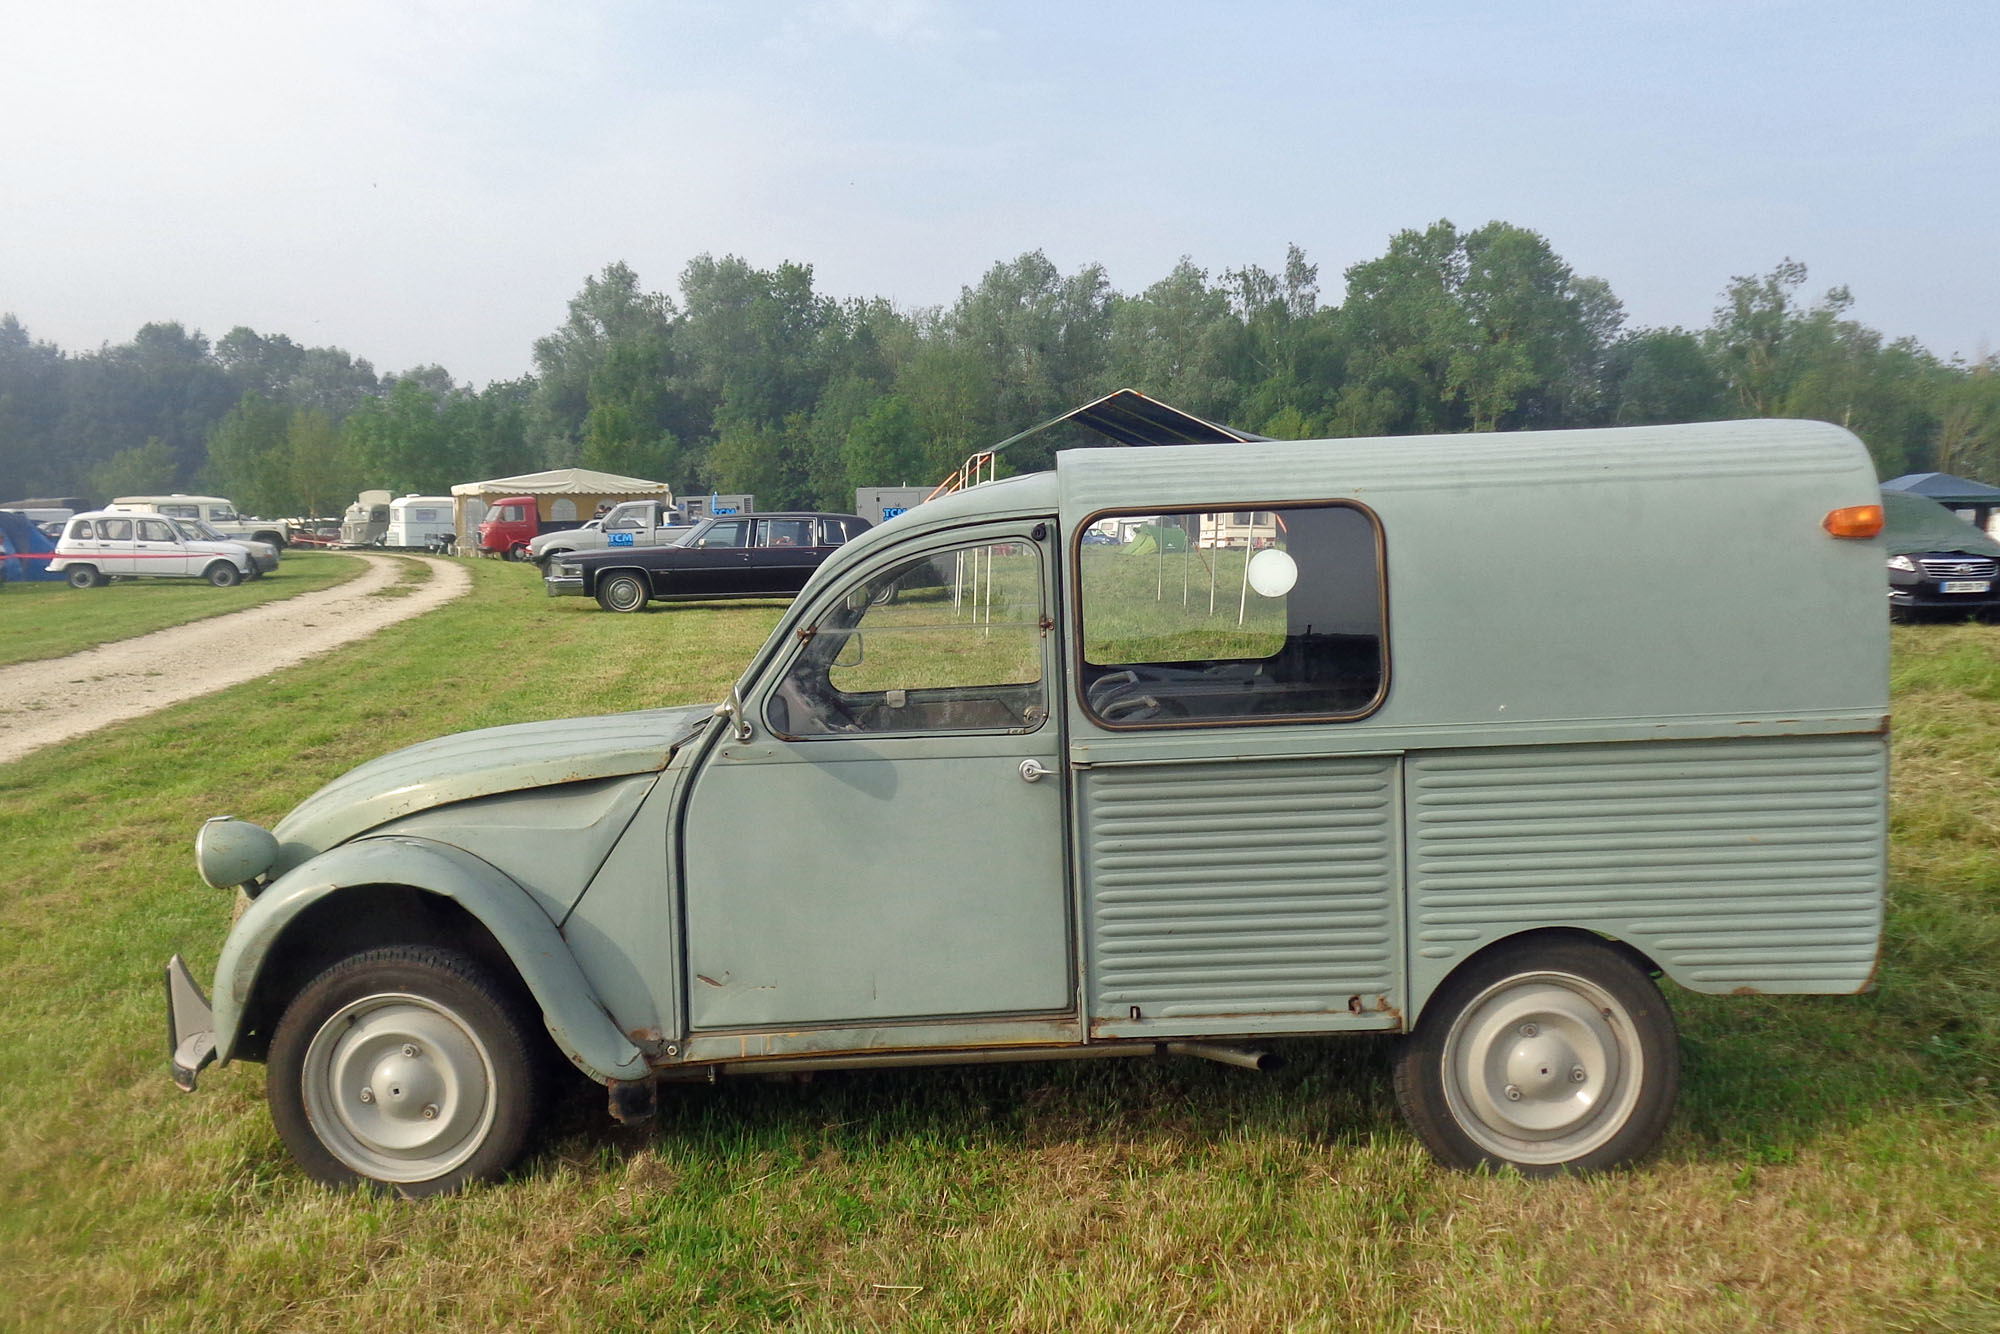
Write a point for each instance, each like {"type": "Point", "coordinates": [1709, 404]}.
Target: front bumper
{"type": "Point", "coordinates": [190, 1024]}
{"type": "Point", "coordinates": [563, 583]}
{"type": "Point", "coordinates": [1927, 596]}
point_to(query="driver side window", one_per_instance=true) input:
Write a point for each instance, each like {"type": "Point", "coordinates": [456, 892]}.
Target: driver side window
{"type": "Point", "coordinates": [948, 642]}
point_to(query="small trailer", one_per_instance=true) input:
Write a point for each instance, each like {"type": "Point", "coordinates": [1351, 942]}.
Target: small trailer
{"type": "Point", "coordinates": [366, 520]}
{"type": "Point", "coordinates": [420, 523]}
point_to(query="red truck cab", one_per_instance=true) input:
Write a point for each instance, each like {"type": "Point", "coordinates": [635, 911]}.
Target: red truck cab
{"type": "Point", "coordinates": [511, 524]}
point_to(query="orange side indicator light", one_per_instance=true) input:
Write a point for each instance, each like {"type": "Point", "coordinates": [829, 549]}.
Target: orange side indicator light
{"type": "Point", "coordinates": [1854, 521]}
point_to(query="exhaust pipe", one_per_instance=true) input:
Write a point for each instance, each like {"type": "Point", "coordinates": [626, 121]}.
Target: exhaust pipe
{"type": "Point", "coordinates": [1248, 1059]}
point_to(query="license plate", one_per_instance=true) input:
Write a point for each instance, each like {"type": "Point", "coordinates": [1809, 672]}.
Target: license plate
{"type": "Point", "coordinates": [1966, 586]}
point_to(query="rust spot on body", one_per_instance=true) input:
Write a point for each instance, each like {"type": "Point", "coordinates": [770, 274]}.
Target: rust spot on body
{"type": "Point", "coordinates": [1746, 991]}
{"type": "Point", "coordinates": [704, 977]}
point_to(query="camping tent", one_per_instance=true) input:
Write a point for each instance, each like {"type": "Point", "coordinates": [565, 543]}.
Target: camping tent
{"type": "Point", "coordinates": [561, 495]}
{"type": "Point", "coordinates": [1975, 502]}
{"type": "Point", "coordinates": [24, 552]}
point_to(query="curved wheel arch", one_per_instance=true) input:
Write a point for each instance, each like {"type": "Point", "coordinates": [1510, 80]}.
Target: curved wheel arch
{"type": "Point", "coordinates": [418, 869]}
{"type": "Point", "coordinates": [1552, 934]}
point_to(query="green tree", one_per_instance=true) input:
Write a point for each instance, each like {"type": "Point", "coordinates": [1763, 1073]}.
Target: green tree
{"type": "Point", "coordinates": [1039, 339]}
{"type": "Point", "coordinates": [1748, 332]}
{"type": "Point", "coordinates": [400, 443]}
{"type": "Point", "coordinates": [1968, 439]}
{"type": "Point", "coordinates": [320, 475]}
{"type": "Point", "coordinates": [144, 470]}
{"type": "Point", "coordinates": [1289, 357]}
{"type": "Point", "coordinates": [1477, 331]}
{"type": "Point", "coordinates": [886, 447]}
{"type": "Point", "coordinates": [1175, 341]}
{"type": "Point", "coordinates": [249, 459]}
{"type": "Point", "coordinates": [1663, 375]}
{"type": "Point", "coordinates": [612, 312]}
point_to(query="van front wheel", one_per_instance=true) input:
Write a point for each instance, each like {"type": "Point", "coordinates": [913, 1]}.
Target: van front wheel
{"type": "Point", "coordinates": [1546, 1055]}
{"type": "Point", "coordinates": [405, 1067]}
{"type": "Point", "coordinates": [224, 575]}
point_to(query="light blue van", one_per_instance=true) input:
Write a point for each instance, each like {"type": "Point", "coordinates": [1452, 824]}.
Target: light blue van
{"type": "Point", "coordinates": [1467, 738]}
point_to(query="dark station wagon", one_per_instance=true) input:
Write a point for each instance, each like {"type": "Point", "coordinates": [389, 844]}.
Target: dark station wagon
{"type": "Point", "coordinates": [728, 556]}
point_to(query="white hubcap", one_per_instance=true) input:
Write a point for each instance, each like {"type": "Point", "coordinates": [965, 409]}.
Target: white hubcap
{"type": "Point", "coordinates": [1542, 1068]}
{"type": "Point", "coordinates": [398, 1088]}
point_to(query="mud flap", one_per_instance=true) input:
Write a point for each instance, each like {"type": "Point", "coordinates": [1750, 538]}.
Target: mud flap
{"type": "Point", "coordinates": [190, 1024]}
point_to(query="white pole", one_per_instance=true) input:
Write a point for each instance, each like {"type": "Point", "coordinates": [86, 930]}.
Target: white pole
{"type": "Point", "coordinates": [1243, 603]}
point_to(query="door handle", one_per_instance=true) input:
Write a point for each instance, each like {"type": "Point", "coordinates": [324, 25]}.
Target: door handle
{"type": "Point", "coordinates": [1033, 772]}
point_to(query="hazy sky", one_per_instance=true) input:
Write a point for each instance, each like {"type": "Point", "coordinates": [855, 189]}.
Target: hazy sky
{"type": "Point", "coordinates": [431, 182]}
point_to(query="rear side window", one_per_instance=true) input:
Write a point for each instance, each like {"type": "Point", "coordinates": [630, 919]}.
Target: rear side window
{"type": "Point", "coordinates": [155, 530]}
{"type": "Point", "coordinates": [785, 532]}
{"type": "Point", "coordinates": [1232, 616]}
{"type": "Point", "coordinates": [115, 530]}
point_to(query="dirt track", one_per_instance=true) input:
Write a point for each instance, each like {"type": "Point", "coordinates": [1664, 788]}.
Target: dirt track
{"type": "Point", "coordinates": [42, 703]}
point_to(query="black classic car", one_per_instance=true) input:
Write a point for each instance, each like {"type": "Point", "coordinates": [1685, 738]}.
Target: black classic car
{"type": "Point", "coordinates": [728, 556]}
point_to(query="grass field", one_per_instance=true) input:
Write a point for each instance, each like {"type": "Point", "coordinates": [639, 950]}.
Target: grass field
{"type": "Point", "coordinates": [44, 619]}
{"type": "Point", "coordinates": [1835, 1164]}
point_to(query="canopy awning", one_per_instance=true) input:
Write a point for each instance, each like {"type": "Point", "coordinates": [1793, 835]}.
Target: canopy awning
{"type": "Point", "coordinates": [1128, 417]}
{"type": "Point", "coordinates": [565, 482]}
{"type": "Point", "coordinates": [1945, 488]}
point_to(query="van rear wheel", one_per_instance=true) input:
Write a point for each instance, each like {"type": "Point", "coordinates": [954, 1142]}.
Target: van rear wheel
{"type": "Point", "coordinates": [1548, 1055]}
{"type": "Point", "coordinates": [84, 576]}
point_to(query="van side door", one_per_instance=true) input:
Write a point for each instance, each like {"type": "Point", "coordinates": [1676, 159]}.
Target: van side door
{"type": "Point", "coordinates": [889, 845]}
{"type": "Point", "coordinates": [1240, 843]}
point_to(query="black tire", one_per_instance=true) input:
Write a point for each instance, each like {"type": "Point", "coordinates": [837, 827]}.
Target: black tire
{"type": "Point", "coordinates": [84, 576]}
{"type": "Point", "coordinates": [517, 552]}
{"type": "Point", "coordinates": [424, 1023]}
{"type": "Point", "coordinates": [223, 575]}
{"type": "Point", "coordinates": [1499, 1067]}
{"type": "Point", "coordinates": [887, 594]}
{"type": "Point", "coordinates": [623, 590]}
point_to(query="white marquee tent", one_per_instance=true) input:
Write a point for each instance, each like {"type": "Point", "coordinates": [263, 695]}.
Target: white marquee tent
{"type": "Point", "coordinates": [561, 495]}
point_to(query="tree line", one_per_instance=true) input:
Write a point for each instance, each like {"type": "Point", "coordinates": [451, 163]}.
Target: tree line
{"type": "Point", "coordinates": [751, 380]}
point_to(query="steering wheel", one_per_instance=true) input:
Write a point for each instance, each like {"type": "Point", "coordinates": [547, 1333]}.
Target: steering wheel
{"type": "Point", "coordinates": [1122, 698]}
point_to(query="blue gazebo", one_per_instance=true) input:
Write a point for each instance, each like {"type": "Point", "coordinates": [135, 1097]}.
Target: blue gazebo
{"type": "Point", "coordinates": [1974, 502]}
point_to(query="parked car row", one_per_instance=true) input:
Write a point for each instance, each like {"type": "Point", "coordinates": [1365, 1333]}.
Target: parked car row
{"type": "Point", "coordinates": [109, 544]}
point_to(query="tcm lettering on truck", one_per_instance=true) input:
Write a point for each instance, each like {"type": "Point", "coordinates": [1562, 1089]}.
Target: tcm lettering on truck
{"type": "Point", "coordinates": [1465, 738]}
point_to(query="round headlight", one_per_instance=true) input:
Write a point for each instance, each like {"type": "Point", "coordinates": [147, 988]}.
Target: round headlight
{"type": "Point", "coordinates": [230, 852]}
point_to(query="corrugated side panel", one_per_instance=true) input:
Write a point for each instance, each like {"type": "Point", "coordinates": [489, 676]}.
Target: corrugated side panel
{"type": "Point", "coordinates": [1736, 864]}
{"type": "Point", "coordinates": [1265, 887]}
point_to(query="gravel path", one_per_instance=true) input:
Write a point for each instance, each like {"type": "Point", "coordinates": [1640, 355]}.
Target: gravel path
{"type": "Point", "coordinates": [42, 703]}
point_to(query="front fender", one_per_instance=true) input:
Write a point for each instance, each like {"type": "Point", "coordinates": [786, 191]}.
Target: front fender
{"type": "Point", "coordinates": [570, 1008]}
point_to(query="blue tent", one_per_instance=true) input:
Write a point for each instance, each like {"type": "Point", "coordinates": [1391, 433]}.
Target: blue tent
{"type": "Point", "coordinates": [24, 551]}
